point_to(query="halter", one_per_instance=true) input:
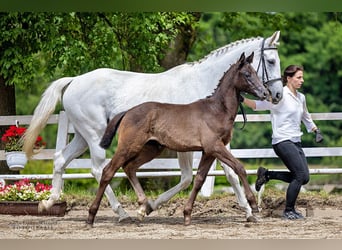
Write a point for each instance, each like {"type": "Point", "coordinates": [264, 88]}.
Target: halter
{"type": "Point", "coordinates": [264, 76]}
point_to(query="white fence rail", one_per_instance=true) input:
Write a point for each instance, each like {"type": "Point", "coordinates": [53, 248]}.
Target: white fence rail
{"type": "Point", "coordinates": [163, 167]}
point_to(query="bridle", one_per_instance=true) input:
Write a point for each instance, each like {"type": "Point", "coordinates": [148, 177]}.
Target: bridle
{"type": "Point", "coordinates": [264, 75]}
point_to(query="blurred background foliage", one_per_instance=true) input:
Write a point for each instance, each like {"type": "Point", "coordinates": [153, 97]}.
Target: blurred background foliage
{"type": "Point", "coordinates": [37, 48]}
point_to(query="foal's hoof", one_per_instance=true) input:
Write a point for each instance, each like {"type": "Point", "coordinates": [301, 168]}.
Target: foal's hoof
{"type": "Point", "coordinates": [252, 219]}
{"type": "Point", "coordinates": [141, 213]}
{"type": "Point", "coordinates": [255, 210]}
{"type": "Point", "coordinates": [187, 221]}
{"type": "Point", "coordinates": [88, 225]}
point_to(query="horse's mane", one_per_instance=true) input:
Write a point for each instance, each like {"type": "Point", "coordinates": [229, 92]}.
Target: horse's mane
{"type": "Point", "coordinates": [224, 49]}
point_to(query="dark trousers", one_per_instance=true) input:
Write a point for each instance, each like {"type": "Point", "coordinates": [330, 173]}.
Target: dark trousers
{"type": "Point", "coordinates": [294, 159]}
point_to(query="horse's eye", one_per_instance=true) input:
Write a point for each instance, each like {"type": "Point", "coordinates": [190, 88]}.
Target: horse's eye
{"type": "Point", "coordinates": [271, 61]}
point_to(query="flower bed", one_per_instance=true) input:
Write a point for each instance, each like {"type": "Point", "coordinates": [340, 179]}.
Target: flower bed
{"type": "Point", "coordinates": [24, 190]}
{"type": "Point", "coordinates": [22, 198]}
{"type": "Point", "coordinates": [31, 208]}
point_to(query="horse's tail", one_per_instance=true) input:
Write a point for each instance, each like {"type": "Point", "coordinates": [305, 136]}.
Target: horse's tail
{"type": "Point", "coordinates": [111, 129]}
{"type": "Point", "coordinates": [44, 109]}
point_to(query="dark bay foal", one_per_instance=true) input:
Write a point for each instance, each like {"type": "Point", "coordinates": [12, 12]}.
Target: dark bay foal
{"type": "Point", "coordinates": [205, 125]}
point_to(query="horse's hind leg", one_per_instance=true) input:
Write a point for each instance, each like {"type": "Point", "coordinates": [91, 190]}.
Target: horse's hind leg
{"type": "Point", "coordinates": [200, 177]}
{"type": "Point", "coordinates": [185, 163]}
{"type": "Point", "coordinates": [62, 158]}
{"type": "Point", "coordinates": [92, 132]}
{"type": "Point", "coordinates": [150, 151]}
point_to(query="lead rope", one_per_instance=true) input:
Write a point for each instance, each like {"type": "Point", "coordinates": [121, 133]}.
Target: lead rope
{"type": "Point", "coordinates": [243, 115]}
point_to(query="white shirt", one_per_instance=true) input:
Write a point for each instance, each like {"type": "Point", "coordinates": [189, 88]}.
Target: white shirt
{"type": "Point", "coordinates": [287, 115]}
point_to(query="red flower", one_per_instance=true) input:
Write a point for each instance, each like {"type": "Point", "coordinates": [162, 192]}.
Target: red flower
{"type": "Point", "coordinates": [11, 139]}
{"type": "Point", "coordinates": [13, 131]}
{"type": "Point", "coordinates": [42, 187]}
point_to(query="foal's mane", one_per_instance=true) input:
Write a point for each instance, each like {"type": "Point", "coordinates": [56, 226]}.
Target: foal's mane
{"type": "Point", "coordinates": [224, 49]}
{"type": "Point", "coordinates": [225, 74]}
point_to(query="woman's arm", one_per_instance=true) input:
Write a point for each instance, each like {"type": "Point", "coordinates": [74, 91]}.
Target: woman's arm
{"type": "Point", "coordinates": [249, 102]}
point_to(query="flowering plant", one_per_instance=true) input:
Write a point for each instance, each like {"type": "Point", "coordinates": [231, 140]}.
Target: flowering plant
{"type": "Point", "coordinates": [12, 139]}
{"type": "Point", "coordinates": [24, 190]}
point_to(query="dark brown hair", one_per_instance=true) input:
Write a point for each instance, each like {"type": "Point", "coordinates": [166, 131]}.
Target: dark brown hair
{"type": "Point", "coordinates": [290, 71]}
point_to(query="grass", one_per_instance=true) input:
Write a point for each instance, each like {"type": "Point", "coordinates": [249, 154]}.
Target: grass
{"type": "Point", "coordinates": [85, 189]}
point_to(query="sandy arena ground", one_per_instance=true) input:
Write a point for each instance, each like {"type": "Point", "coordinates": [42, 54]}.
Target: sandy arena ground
{"type": "Point", "coordinates": [215, 218]}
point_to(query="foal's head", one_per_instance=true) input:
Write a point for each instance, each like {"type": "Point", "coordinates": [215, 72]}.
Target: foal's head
{"type": "Point", "coordinates": [248, 80]}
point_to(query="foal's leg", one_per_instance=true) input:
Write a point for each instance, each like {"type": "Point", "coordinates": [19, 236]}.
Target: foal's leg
{"type": "Point", "coordinates": [98, 163]}
{"type": "Point", "coordinates": [200, 177]}
{"type": "Point", "coordinates": [62, 158]}
{"type": "Point", "coordinates": [150, 151]}
{"type": "Point", "coordinates": [107, 175]}
{"type": "Point", "coordinates": [185, 163]}
{"type": "Point", "coordinates": [226, 157]}
{"type": "Point", "coordinates": [92, 132]}
{"type": "Point", "coordinates": [233, 179]}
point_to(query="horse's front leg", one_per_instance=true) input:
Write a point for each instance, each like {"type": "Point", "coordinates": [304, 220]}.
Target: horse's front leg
{"type": "Point", "coordinates": [200, 177]}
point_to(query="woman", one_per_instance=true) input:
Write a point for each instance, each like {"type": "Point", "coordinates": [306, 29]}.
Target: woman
{"type": "Point", "coordinates": [286, 118]}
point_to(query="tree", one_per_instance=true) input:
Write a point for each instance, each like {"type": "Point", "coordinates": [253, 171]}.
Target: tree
{"type": "Point", "coordinates": [16, 61]}
{"type": "Point", "coordinates": [75, 43]}
{"type": "Point", "coordinates": [311, 39]}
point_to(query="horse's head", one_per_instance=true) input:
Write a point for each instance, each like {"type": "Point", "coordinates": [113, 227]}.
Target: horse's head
{"type": "Point", "coordinates": [267, 64]}
{"type": "Point", "coordinates": [249, 81]}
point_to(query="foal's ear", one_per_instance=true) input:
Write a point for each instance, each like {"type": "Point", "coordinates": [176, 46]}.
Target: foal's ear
{"type": "Point", "coordinates": [242, 60]}
{"type": "Point", "coordinates": [250, 58]}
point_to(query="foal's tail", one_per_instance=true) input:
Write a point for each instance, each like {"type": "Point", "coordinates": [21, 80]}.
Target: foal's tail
{"type": "Point", "coordinates": [44, 109]}
{"type": "Point", "coordinates": [111, 129]}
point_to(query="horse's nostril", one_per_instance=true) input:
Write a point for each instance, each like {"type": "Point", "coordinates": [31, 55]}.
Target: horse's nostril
{"type": "Point", "coordinates": [278, 95]}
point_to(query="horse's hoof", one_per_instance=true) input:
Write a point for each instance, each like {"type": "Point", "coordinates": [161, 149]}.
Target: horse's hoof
{"type": "Point", "coordinates": [126, 219]}
{"type": "Point", "coordinates": [42, 206]}
{"type": "Point", "coordinates": [252, 219]}
{"type": "Point", "coordinates": [140, 216]}
{"type": "Point", "coordinates": [141, 213]}
{"type": "Point", "coordinates": [123, 215]}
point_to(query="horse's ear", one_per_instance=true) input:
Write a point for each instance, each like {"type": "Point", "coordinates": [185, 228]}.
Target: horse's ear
{"type": "Point", "coordinates": [273, 40]}
{"type": "Point", "coordinates": [242, 60]}
{"type": "Point", "coordinates": [250, 58]}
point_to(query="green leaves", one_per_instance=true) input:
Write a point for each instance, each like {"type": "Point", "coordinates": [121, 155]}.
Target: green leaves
{"type": "Point", "coordinates": [74, 43]}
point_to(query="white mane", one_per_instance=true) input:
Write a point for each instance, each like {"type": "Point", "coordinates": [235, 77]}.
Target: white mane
{"type": "Point", "coordinates": [225, 49]}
